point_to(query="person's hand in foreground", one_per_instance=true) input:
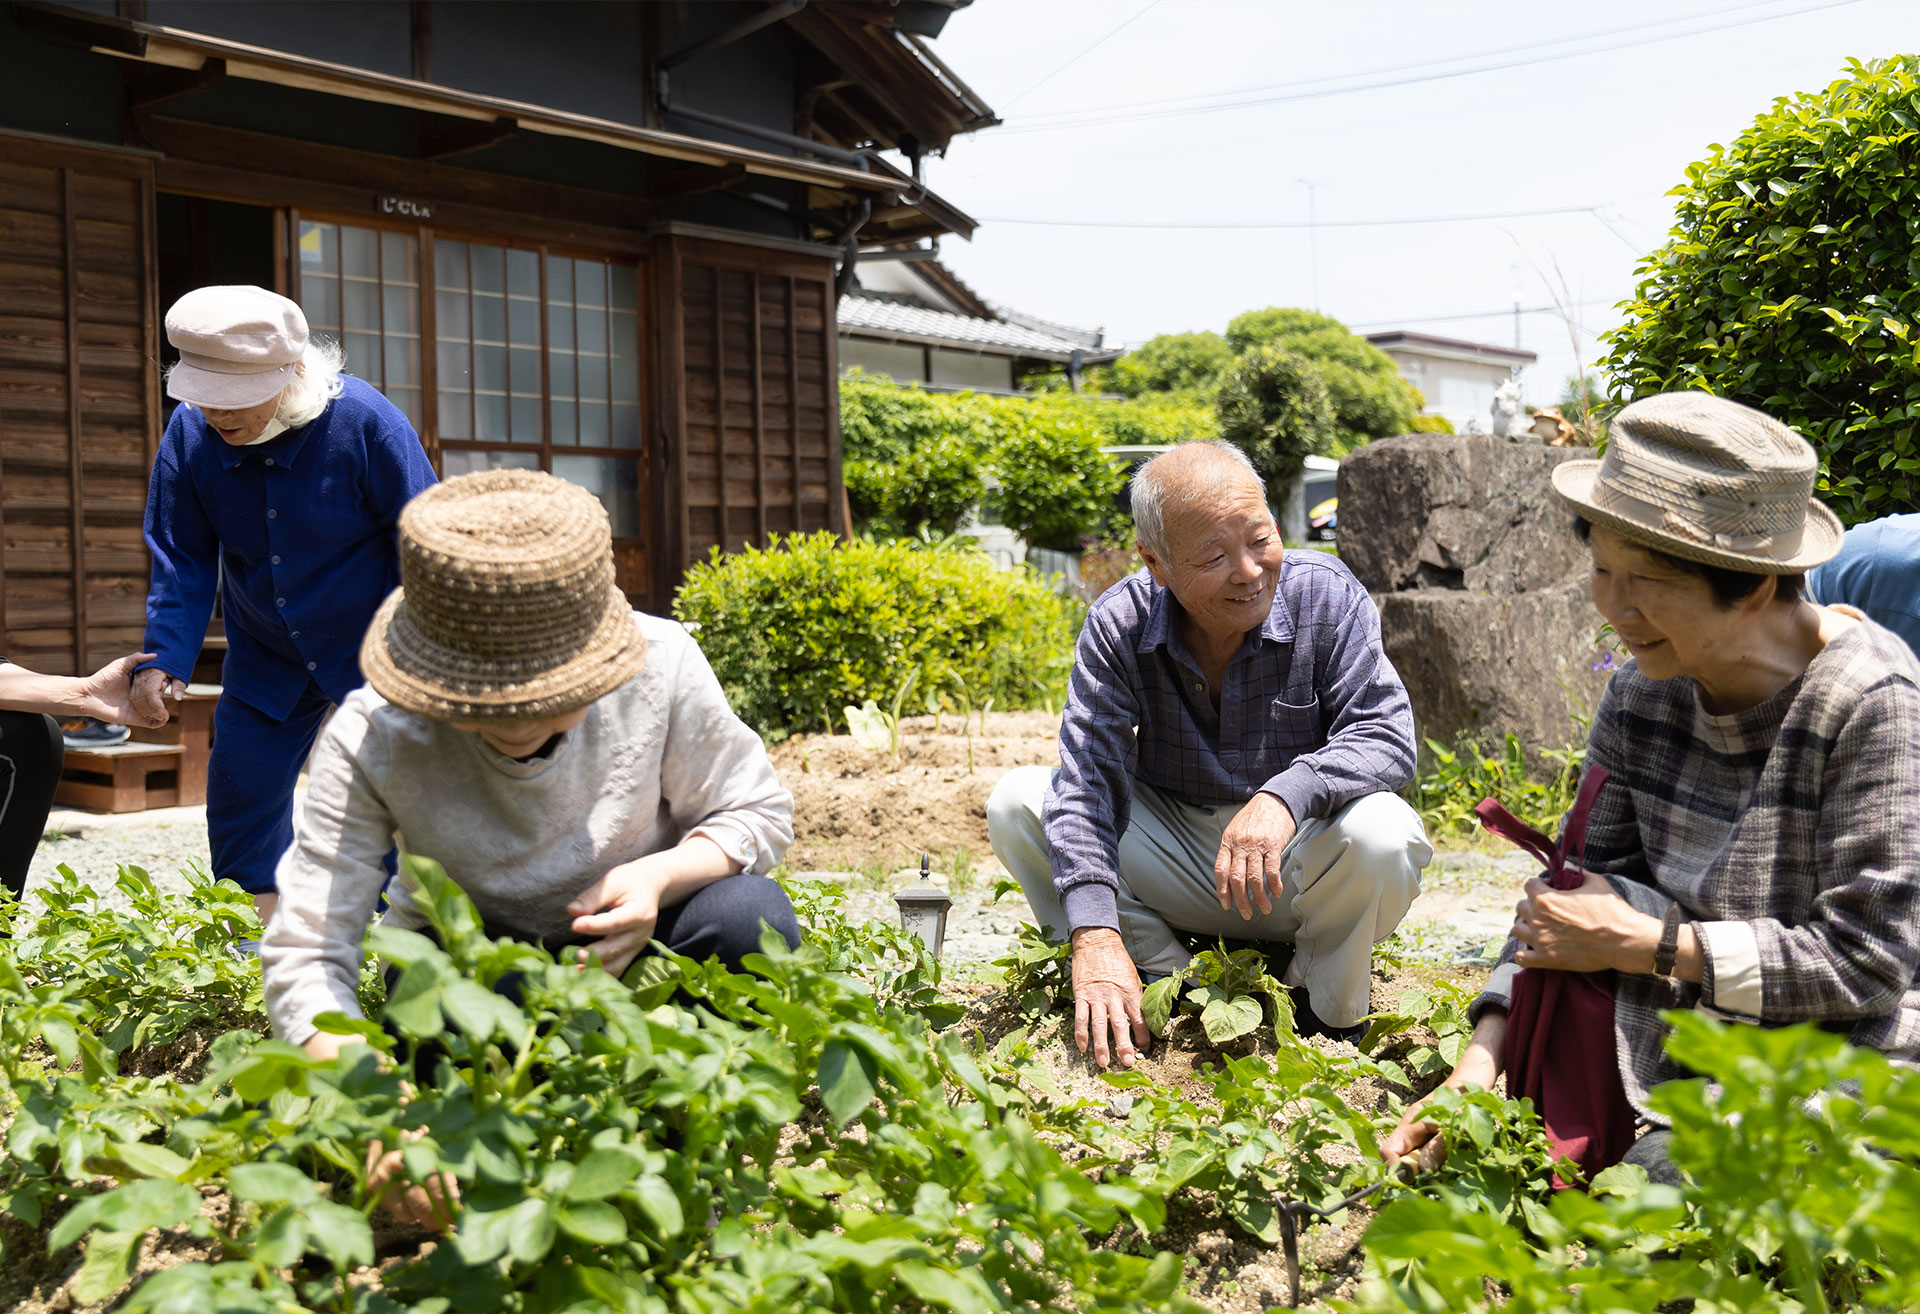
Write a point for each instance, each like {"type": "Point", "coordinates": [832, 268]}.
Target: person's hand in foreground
{"type": "Point", "coordinates": [1106, 997]}
{"type": "Point", "coordinates": [623, 905]}
{"type": "Point", "coordinates": [1246, 872]}
{"type": "Point", "coordinates": [148, 694]}
{"type": "Point", "coordinates": [1586, 929]}
{"type": "Point", "coordinates": [106, 695]}
{"type": "Point", "coordinates": [430, 1205]}
{"type": "Point", "coordinates": [1479, 1066]}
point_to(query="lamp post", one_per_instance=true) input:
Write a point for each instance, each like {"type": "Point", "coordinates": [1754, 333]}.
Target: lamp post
{"type": "Point", "coordinates": [923, 910]}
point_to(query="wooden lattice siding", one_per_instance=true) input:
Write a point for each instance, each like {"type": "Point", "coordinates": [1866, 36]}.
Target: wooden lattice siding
{"type": "Point", "coordinates": [79, 403]}
{"type": "Point", "coordinates": [759, 452]}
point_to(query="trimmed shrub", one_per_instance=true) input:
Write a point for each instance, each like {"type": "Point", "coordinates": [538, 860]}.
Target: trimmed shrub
{"type": "Point", "coordinates": [1275, 408]}
{"type": "Point", "coordinates": [1056, 485]}
{"type": "Point", "coordinates": [1791, 282]}
{"type": "Point", "coordinates": [1370, 399]}
{"type": "Point", "coordinates": [911, 459]}
{"type": "Point", "coordinates": [1173, 362]}
{"type": "Point", "coordinates": [815, 624]}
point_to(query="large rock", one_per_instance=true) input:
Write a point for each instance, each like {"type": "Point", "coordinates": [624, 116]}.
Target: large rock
{"type": "Point", "coordinates": [1481, 584]}
{"type": "Point", "coordinates": [1456, 511]}
{"type": "Point", "coordinates": [1486, 664]}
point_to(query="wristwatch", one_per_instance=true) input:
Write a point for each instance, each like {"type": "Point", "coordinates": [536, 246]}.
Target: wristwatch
{"type": "Point", "coordinates": [1669, 941]}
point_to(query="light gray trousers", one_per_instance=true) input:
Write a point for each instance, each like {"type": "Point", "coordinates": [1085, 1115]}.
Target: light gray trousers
{"type": "Point", "coordinates": [1347, 880]}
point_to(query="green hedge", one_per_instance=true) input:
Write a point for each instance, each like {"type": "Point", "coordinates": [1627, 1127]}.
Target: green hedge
{"type": "Point", "coordinates": [815, 624]}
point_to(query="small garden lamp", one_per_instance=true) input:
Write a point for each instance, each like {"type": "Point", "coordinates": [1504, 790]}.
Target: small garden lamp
{"type": "Point", "coordinates": [923, 910]}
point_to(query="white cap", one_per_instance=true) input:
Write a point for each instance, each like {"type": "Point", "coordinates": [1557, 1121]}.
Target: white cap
{"type": "Point", "coordinates": [238, 346]}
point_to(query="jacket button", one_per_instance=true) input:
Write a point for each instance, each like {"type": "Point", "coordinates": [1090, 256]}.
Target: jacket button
{"type": "Point", "coordinates": [269, 460]}
{"type": "Point", "coordinates": [276, 560]}
{"type": "Point", "coordinates": [311, 665]}
{"type": "Point", "coordinates": [271, 513]}
{"type": "Point", "coordinates": [294, 634]}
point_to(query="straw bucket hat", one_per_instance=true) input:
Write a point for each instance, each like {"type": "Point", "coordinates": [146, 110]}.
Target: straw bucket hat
{"type": "Point", "coordinates": [507, 606]}
{"type": "Point", "coordinates": [1709, 480]}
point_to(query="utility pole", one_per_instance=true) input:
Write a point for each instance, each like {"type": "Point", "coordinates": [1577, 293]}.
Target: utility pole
{"type": "Point", "coordinates": [1313, 239]}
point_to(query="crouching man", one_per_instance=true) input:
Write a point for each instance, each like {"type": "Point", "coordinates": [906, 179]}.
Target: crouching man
{"type": "Point", "coordinates": [1232, 742]}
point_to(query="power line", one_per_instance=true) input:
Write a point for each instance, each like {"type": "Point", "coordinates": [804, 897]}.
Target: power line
{"type": "Point", "coordinates": [1426, 64]}
{"type": "Point", "coordinates": [1476, 314]}
{"type": "Point", "coordinates": [1138, 14]}
{"type": "Point", "coordinates": [1296, 224]}
{"type": "Point", "coordinates": [1100, 119]}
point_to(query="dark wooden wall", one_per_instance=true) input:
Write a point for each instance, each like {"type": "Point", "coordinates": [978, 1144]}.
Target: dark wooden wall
{"type": "Point", "coordinates": [79, 403]}
{"type": "Point", "coordinates": [749, 385]}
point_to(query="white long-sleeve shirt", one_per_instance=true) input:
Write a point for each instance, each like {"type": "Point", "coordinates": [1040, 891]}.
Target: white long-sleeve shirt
{"type": "Point", "coordinates": [660, 758]}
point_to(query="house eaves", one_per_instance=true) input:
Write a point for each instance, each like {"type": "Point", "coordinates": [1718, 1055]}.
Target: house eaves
{"type": "Point", "coordinates": [190, 51]}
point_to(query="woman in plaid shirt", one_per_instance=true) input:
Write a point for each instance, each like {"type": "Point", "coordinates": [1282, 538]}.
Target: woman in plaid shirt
{"type": "Point", "coordinates": [1755, 853]}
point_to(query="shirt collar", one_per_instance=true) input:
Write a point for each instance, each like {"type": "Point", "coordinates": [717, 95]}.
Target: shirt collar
{"type": "Point", "coordinates": [284, 450]}
{"type": "Point", "coordinates": [1158, 629]}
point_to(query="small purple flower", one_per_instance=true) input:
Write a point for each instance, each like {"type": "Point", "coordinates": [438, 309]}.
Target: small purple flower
{"type": "Point", "coordinates": [1606, 662]}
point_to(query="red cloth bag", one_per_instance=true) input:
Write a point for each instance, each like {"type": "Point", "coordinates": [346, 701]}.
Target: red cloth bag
{"type": "Point", "coordinates": [1560, 1042]}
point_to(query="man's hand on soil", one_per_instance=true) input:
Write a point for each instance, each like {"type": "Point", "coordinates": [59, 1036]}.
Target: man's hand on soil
{"type": "Point", "coordinates": [1106, 997]}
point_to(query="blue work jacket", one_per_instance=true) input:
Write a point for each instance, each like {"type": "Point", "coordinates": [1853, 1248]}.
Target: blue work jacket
{"type": "Point", "coordinates": [298, 531]}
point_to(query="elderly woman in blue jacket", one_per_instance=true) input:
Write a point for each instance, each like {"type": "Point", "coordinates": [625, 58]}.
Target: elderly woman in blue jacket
{"type": "Point", "coordinates": [279, 482]}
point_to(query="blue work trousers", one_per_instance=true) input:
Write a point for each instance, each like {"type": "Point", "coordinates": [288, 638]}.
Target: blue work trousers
{"type": "Point", "coordinates": [250, 777]}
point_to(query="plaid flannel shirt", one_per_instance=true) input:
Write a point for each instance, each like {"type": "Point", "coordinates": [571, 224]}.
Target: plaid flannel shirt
{"type": "Point", "coordinates": [1787, 834]}
{"type": "Point", "coordinates": [1311, 711]}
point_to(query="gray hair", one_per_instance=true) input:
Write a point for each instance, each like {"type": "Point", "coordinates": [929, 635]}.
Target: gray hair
{"type": "Point", "coordinates": [1163, 484]}
{"type": "Point", "coordinates": [315, 383]}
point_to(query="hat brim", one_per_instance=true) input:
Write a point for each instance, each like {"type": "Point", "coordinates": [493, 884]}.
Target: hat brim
{"type": "Point", "coordinates": [412, 671]}
{"type": "Point", "coordinates": [1573, 483]}
{"type": "Point", "coordinates": [213, 391]}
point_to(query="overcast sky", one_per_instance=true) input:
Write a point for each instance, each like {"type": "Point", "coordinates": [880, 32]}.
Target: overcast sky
{"type": "Point", "coordinates": [1578, 104]}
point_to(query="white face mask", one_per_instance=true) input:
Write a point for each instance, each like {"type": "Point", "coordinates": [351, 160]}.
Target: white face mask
{"type": "Point", "coordinates": [275, 427]}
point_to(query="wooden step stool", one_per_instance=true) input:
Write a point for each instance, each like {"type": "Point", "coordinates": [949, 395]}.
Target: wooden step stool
{"type": "Point", "coordinates": [154, 769]}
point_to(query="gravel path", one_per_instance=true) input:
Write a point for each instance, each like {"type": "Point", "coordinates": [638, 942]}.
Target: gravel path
{"type": "Point", "coordinates": [1466, 897]}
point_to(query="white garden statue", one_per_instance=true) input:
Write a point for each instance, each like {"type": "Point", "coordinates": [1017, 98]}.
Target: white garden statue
{"type": "Point", "coordinates": [1510, 412]}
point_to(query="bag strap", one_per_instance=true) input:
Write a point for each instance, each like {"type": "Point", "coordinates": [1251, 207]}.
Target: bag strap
{"type": "Point", "coordinates": [1498, 821]}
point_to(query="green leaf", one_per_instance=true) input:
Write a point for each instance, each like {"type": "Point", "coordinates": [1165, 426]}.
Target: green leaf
{"type": "Point", "coordinates": [1229, 1019]}
{"type": "Point", "coordinates": [482, 1236]}
{"type": "Point", "coordinates": [964, 1291]}
{"type": "Point", "coordinates": [482, 1014]}
{"type": "Point", "coordinates": [1157, 1003]}
{"type": "Point", "coordinates": [603, 1173]}
{"type": "Point", "coordinates": [847, 1076]}
{"type": "Point", "coordinates": [271, 1183]}
{"type": "Point", "coordinates": [155, 1202]}
{"type": "Point", "coordinates": [593, 1221]}
{"type": "Point", "coordinates": [136, 1159]}
{"type": "Point", "coordinates": [660, 1205]}
{"type": "Point", "coordinates": [341, 1234]}
{"type": "Point", "coordinates": [108, 1266]}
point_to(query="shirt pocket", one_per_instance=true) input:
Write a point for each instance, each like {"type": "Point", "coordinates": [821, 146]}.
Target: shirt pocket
{"type": "Point", "coordinates": [1294, 728]}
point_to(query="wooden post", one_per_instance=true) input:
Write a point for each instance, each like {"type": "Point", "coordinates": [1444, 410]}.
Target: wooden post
{"type": "Point", "coordinates": [798, 525]}
{"type": "Point", "coordinates": [720, 407]}
{"type": "Point", "coordinates": [759, 410]}
{"type": "Point", "coordinates": [77, 488]}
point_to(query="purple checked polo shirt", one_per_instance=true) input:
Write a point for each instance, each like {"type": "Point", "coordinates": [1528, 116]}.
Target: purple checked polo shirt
{"type": "Point", "coordinates": [1311, 711]}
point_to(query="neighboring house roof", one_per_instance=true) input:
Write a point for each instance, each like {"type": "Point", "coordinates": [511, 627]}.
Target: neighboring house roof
{"type": "Point", "coordinates": [928, 303]}
{"type": "Point", "coordinates": [893, 318]}
{"type": "Point", "coordinates": [1429, 344]}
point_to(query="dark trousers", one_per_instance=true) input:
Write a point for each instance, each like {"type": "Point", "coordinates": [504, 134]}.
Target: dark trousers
{"type": "Point", "coordinates": [31, 754]}
{"type": "Point", "coordinates": [721, 920]}
{"type": "Point", "coordinates": [250, 777]}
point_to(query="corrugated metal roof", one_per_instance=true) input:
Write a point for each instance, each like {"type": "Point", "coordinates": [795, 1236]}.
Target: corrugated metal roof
{"type": "Point", "coordinates": [864, 316]}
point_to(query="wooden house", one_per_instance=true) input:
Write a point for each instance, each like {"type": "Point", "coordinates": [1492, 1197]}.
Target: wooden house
{"type": "Point", "coordinates": [598, 238]}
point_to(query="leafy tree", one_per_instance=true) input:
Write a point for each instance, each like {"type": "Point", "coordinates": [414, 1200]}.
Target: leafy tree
{"type": "Point", "coordinates": [1370, 399]}
{"type": "Point", "coordinates": [1791, 282]}
{"type": "Point", "coordinates": [1275, 407]}
{"type": "Point", "coordinates": [1056, 485]}
{"type": "Point", "coordinates": [1173, 362]}
{"type": "Point", "coordinates": [1580, 396]}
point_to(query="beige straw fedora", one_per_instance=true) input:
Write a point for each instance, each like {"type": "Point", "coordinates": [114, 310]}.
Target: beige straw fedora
{"type": "Point", "coordinates": [507, 606]}
{"type": "Point", "coordinates": [1709, 480]}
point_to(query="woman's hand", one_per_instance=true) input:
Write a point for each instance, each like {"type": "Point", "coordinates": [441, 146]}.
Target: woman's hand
{"type": "Point", "coordinates": [107, 694]}
{"type": "Point", "coordinates": [621, 907]}
{"type": "Point", "coordinates": [1478, 1068]}
{"type": "Point", "coordinates": [430, 1206]}
{"type": "Point", "coordinates": [1588, 929]}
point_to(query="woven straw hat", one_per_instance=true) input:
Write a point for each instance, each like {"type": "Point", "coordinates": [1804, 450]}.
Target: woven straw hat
{"type": "Point", "coordinates": [1709, 480]}
{"type": "Point", "coordinates": [507, 606]}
